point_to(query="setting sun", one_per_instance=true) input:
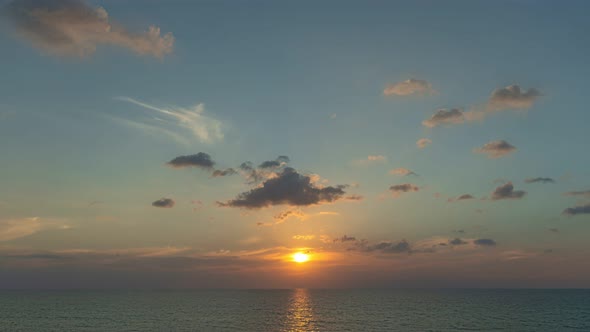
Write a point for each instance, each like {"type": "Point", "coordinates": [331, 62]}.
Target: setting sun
{"type": "Point", "coordinates": [300, 257]}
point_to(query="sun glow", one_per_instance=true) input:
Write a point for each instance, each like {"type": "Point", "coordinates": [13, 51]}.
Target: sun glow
{"type": "Point", "coordinates": [300, 257]}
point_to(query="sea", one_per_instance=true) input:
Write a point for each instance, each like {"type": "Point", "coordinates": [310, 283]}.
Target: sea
{"type": "Point", "coordinates": [296, 310]}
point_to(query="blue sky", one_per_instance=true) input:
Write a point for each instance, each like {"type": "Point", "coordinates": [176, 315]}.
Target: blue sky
{"type": "Point", "coordinates": [87, 136]}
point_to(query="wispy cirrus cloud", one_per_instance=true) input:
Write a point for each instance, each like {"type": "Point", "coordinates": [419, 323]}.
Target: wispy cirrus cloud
{"type": "Point", "coordinates": [583, 193]}
{"type": "Point", "coordinates": [496, 149]}
{"type": "Point", "coordinates": [11, 229]}
{"type": "Point", "coordinates": [193, 119]}
{"type": "Point", "coordinates": [371, 159]}
{"type": "Point", "coordinates": [409, 87]}
{"type": "Point", "coordinates": [73, 28]}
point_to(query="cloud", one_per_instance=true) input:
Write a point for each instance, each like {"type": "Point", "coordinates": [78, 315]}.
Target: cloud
{"type": "Point", "coordinates": [287, 187]}
{"type": "Point", "coordinates": [496, 149]}
{"type": "Point", "coordinates": [409, 87]}
{"type": "Point", "coordinates": [164, 203]}
{"type": "Point", "coordinates": [345, 238]}
{"type": "Point", "coordinates": [193, 119]}
{"type": "Point", "coordinates": [11, 229]}
{"type": "Point", "coordinates": [402, 172]}
{"type": "Point", "coordinates": [457, 242]}
{"type": "Point", "coordinates": [303, 237]}
{"type": "Point", "coordinates": [444, 116]}
{"type": "Point", "coordinates": [73, 28]}
{"type": "Point", "coordinates": [485, 242]}
{"type": "Point", "coordinates": [402, 188]}
{"type": "Point", "coordinates": [512, 97]}
{"type": "Point", "coordinates": [280, 161]}
{"type": "Point", "coordinates": [461, 198]}
{"type": "Point", "coordinates": [225, 172]}
{"type": "Point", "coordinates": [283, 216]}
{"type": "Point", "coordinates": [506, 191]}
{"type": "Point", "coordinates": [200, 160]}
{"type": "Point", "coordinates": [585, 193]}
{"type": "Point", "coordinates": [542, 180]}
{"type": "Point", "coordinates": [371, 159]}
{"type": "Point", "coordinates": [423, 142]}
{"type": "Point", "coordinates": [553, 230]}
{"type": "Point", "coordinates": [402, 246]}
{"type": "Point", "coordinates": [581, 209]}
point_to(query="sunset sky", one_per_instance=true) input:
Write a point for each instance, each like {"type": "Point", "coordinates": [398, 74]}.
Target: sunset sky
{"type": "Point", "coordinates": [171, 144]}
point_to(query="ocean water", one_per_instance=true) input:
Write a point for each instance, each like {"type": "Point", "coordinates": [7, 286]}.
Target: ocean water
{"type": "Point", "coordinates": [296, 310]}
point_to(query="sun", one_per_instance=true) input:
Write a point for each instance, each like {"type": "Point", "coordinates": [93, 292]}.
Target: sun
{"type": "Point", "coordinates": [300, 257]}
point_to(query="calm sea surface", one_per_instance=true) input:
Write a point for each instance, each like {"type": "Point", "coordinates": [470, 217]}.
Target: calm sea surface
{"type": "Point", "coordinates": [296, 310]}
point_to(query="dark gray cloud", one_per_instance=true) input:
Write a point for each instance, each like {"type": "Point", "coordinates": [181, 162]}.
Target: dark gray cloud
{"type": "Point", "coordinates": [461, 198]}
{"type": "Point", "coordinates": [542, 180]}
{"type": "Point", "coordinates": [485, 242]}
{"type": "Point", "coordinates": [506, 191]}
{"type": "Point", "coordinates": [73, 28]}
{"type": "Point", "coordinates": [512, 97]}
{"type": "Point", "coordinates": [280, 161]}
{"type": "Point", "coordinates": [288, 187]}
{"type": "Point", "coordinates": [225, 172]}
{"type": "Point", "coordinates": [346, 238]}
{"type": "Point", "coordinates": [581, 209]}
{"type": "Point", "coordinates": [496, 149]}
{"type": "Point", "coordinates": [389, 247]}
{"type": "Point", "coordinates": [445, 116]}
{"type": "Point", "coordinates": [164, 203]}
{"type": "Point", "coordinates": [201, 160]}
{"type": "Point", "coordinates": [585, 193]}
{"type": "Point", "coordinates": [403, 188]}
{"type": "Point", "coordinates": [457, 242]}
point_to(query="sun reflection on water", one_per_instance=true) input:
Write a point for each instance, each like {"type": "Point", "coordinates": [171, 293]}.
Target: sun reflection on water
{"type": "Point", "coordinates": [300, 315]}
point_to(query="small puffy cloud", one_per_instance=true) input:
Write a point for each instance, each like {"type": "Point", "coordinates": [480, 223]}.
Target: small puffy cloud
{"type": "Point", "coordinates": [164, 203]}
{"type": "Point", "coordinates": [423, 142]}
{"type": "Point", "coordinates": [283, 216]}
{"type": "Point", "coordinates": [457, 242]}
{"type": "Point", "coordinates": [408, 87]}
{"type": "Point", "coordinates": [496, 149]}
{"type": "Point", "coordinates": [287, 187]}
{"type": "Point", "coordinates": [200, 160]}
{"type": "Point", "coordinates": [401, 172]}
{"type": "Point", "coordinates": [585, 193]}
{"type": "Point", "coordinates": [303, 237]}
{"type": "Point", "coordinates": [225, 172]}
{"type": "Point", "coordinates": [402, 246]}
{"type": "Point", "coordinates": [346, 238]}
{"type": "Point", "coordinates": [485, 242]}
{"type": "Point", "coordinates": [445, 116]}
{"type": "Point", "coordinates": [541, 180]}
{"type": "Point", "coordinates": [512, 97]}
{"type": "Point", "coordinates": [280, 161]}
{"type": "Point", "coordinates": [461, 198]}
{"type": "Point", "coordinates": [371, 159]}
{"type": "Point", "coordinates": [73, 28]}
{"type": "Point", "coordinates": [399, 189]}
{"type": "Point", "coordinates": [580, 209]}
{"type": "Point", "coordinates": [506, 191]}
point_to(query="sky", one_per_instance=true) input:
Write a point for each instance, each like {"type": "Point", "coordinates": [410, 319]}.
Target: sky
{"type": "Point", "coordinates": [201, 144]}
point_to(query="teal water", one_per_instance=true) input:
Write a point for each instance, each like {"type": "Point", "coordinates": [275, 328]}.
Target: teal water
{"type": "Point", "coordinates": [296, 310]}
